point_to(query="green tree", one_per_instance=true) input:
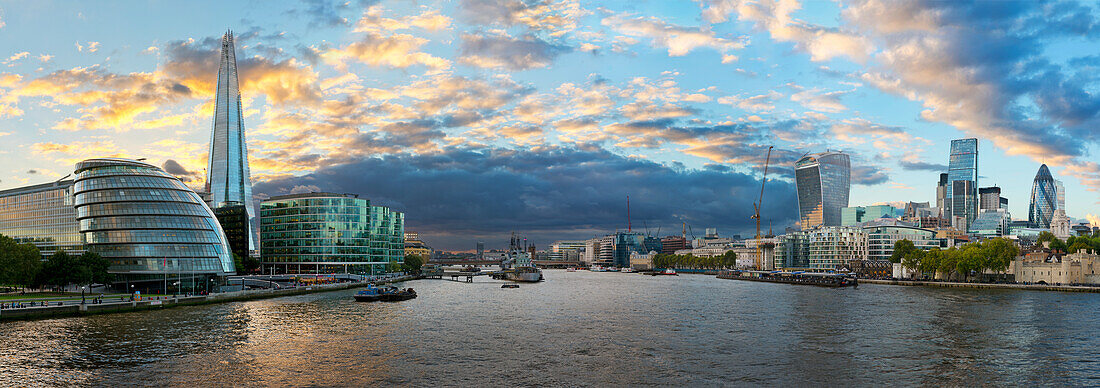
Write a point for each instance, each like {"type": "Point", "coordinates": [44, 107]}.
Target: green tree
{"type": "Point", "coordinates": [1045, 236]}
{"type": "Point", "coordinates": [903, 248]}
{"type": "Point", "coordinates": [999, 253]}
{"type": "Point", "coordinates": [93, 269]}
{"type": "Point", "coordinates": [61, 269]}
{"type": "Point", "coordinates": [1058, 245]}
{"type": "Point", "coordinates": [238, 263]}
{"type": "Point", "coordinates": [20, 264]}
{"type": "Point", "coordinates": [413, 263]}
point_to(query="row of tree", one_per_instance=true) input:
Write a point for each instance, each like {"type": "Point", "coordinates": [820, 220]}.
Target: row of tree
{"type": "Point", "coordinates": [21, 264]}
{"type": "Point", "coordinates": [963, 261]}
{"type": "Point", "coordinates": [668, 260]}
{"type": "Point", "coordinates": [1073, 244]}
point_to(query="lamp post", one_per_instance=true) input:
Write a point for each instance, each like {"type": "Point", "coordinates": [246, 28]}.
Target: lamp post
{"type": "Point", "coordinates": [82, 294]}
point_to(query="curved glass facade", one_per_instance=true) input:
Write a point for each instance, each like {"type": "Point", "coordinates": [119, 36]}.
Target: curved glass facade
{"type": "Point", "coordinates": [1044, 197]}
{"type": "Point", "coordinates": [145, 221]}
{"type": "Point", "coordinates": [823, 184]}
{"type": "Point", "coordinates": [329, 232]}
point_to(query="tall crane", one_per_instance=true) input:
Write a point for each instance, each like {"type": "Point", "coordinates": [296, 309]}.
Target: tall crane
{"type": "Point", "coordinates": [756, 208]}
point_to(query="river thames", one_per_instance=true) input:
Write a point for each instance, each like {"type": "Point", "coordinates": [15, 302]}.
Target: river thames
{"type": "Point", "coordinates": [579, 329]}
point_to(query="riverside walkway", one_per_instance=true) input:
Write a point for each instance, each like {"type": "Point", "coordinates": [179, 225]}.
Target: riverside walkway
{"type": "Point", "coordinates": [35, 309]}
{"type": "Point", "coordinates": [1034, 287]}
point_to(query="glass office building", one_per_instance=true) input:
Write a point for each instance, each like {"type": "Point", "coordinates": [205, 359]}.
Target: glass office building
{"type": "Point", "coordinates": [824, 248]}
{"type": "Point", "coordinates": [823, 184]}
{"type": "Point", "coordinates": [227, 175]}
{"type": "Point", "coordinates": [233, 217]}
{"type": "Point", "coordinates": [148, 224]}
{"type": "Point", "coordinates": [42, 215]}
{"type": "Point", "coordinates": [327, 233]}
{"type": "Point", "coordinates": [881, 239]}
{"type": "Point", "coordinates": [1044, 197]}
{"type": "Point", "coordinates": [962, 188]}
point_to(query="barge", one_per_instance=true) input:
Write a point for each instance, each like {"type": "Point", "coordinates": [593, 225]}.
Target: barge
{"type": "Point", "coordinates": [807, 278]}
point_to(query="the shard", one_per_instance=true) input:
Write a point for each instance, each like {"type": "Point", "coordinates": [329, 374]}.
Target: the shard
{"type": "Point", "coordinates": [227, 176]}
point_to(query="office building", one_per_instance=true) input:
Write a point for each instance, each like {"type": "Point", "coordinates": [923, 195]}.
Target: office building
{"type": "Point", "coordinates": [415, 246]}
{"type": "Point", "coordinates": [822, 181]}
{"type": "Point", "coordinates": [991, 223]}
{"type": "Point", "coordinates": [941, 196]}
{"type": "Point", "coordinates": [481, 250]}
{"type": "Point", "coordinates": [881, 239]}
{"type": "Point", "coordinates": [233, 217]}
{"type": "Point", "coordinates": [326, 232]}
{"type": "Point", "coordinates": [42, 215]}
{"type": "Point", "coordinates": [856, 215]}
{"type": "Point", "coordinates": [963, 182]}
{"type": "Point", "coordinates": [148, 224]}
{"type": "Point", "coordinates": [793, 250]}
{"type": "Point", "coordinates": [227, 175]}
{"type": "Point", "coordinates": [989, 198]}
{"type": "Point", "coordinates": [1044, 199]}
{"type": "Point", "coordinates": [824, 248]}
{"type": "Point", "coordinates": [567, 250]}
{"type": "Point", "coordinates": [1060, 192]}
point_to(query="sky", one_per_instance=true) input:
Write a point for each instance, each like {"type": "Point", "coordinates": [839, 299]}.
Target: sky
{"type": "Point", "coordinates": [478, 118]}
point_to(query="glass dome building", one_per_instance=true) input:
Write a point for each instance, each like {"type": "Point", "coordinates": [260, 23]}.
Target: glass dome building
{"type": "Point", "coordinates": [148, 224]}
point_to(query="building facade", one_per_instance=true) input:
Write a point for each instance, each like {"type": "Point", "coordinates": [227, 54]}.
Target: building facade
{"type": "Point", "coordinates": [881, 239]}
{"type": "Point", "coordinates": [1073, 269]}
{"type": "Point", "coordinates": [567, 250]}
{"type": "Point", "coordinates": [233, 218]}
{"type": "Point", "coordinates": [228, 179]}
{"type": "Point", "coordinates": [42, 215]}
{"type": "Point", "coordinates": [325, 232]}
{"type": "Point", "coordinates": [989, 198]}
{"type": "Point", "coordinates": [823, 182]}
{"type": "Point", "coordinates": [1044, 199]}
{"type": "Point", "coordinates": [991, 223]}
{"type": "Point", "coordinates": [148, 224]}
{"type": "Point", "coordinates": [962, 189]}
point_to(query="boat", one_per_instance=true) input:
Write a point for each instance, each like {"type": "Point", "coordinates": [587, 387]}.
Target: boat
{"type": "Point", "coordinates": [596, 268]}
{"type": "Point", "coordinates": [626, 270]}
{"type": "Point", "coordinates": [666, 272]}
{"type": "Point", "coordinates": [823, 279]}
{"type": "Point", "coordinates": [399, 295]}
{"type": "Point", "coordinates": [509, 286]}
{"type": "Point", "coordinates": [570, 269]}
{"type": "Point", "coordinates": [517, 266]}
{"type": "Point", "coordinates": [386, 294]}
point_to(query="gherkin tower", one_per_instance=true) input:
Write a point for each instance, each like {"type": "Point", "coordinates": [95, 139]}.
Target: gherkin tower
{"type": "Point", "coordinates": [227, 176]}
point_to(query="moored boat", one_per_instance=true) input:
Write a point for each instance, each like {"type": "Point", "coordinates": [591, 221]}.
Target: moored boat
{"type": "Point", "coordinates": [806, 278]}
{"type": "Point", "coordinates": [387, 294]}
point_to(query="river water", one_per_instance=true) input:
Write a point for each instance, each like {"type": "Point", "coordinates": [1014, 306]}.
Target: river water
{"type": "Point", "coordinates": [579, 329]}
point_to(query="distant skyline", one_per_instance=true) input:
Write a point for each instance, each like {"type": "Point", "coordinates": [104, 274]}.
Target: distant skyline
{"type": "Point", "coordinates": [477, 118]}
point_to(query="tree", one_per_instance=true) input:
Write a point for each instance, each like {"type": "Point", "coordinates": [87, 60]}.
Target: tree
{"type": "Point", "coordinates": [93, 269]}
{"type": "Point", "coordinates": [999, 253]}
{"type": "Point", "coordinates": [413, 263]}
{"type": "Point", "coordinates": [61, 269]}
{"type": "Point", "coordinates": [20, 264]}
{"type": "Point", "coordinates": [1045, 236]}
{"type": "Point", "coordinates": [1058, 245]}
{"type": "Point", "coordinates": [238, 263]}
{"type": "Point", "coordinates": [902, 249]}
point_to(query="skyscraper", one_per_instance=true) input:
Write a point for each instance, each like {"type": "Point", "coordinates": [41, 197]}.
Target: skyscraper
{"type": "Point", "coordinates": [1060, 191]}
{"type": "Point", "coordinates": [989, 198]}
{"type": "Point", "coordinates": [227, 176]}
{"type": "Point", "coordinates": [823, 184]}
{"type": "Point", "coordinates": [1044, 199]}
{"type": "Point", "coordinates": [962, 176]}
{"type": "Point", "coordinates": [941, 197]}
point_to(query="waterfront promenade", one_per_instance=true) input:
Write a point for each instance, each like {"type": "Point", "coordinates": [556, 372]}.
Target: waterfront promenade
{"type": "Point", "coordinates": [1032, 287]}
{"type": "Point", "coordinates": [113, 304]}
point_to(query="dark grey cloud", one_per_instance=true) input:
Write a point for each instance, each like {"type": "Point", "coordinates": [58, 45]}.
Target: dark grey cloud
{"type": "Point", "coordinates": [923, 166]}
{"type": "Point", "coordinates": [460, 195]}
{"type": "Point", "coordinates": [868, 175]}
{"type": "Point", "coordinates": [172, 167]}
{"type": "Point", "coordinates": [499, 50]}
{"type": "Point", "coordinates": [32, 172]}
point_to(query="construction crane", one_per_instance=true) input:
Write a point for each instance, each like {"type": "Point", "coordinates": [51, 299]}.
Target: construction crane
{"type": "Point", "coordinates": [756, 208]}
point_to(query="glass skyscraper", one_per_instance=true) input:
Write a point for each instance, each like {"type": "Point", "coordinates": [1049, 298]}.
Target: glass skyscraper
{"type": "Point", "coordinates": [1044, 199]}
{"type": "Point", "coordinates": [227, 175]}
{"type": "Point", "coordinates": [823, 184]}
{"type": "Point", "coordinates": [147, 223]}
{"type": "Point", "coordinates": [42, 215]}
{"type": "Point", "coordinates": [962, 188]}
{"type": "Point", "coordinates": [327, 232]}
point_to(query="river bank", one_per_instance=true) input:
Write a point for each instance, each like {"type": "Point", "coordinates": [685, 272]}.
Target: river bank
{"type": "Point", "coordinates": [1033, 287]}
{"type": "Point", "coordinates": [149, 303]}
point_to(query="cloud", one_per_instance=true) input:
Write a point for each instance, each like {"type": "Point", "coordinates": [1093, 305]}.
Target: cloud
{"type": "Point", "coordinates": [922, 166]}
{"type": "Point", "coordinates": [868, 175]}
{"type": "Point", "coordinates": [172, 167]}
{"type": "Point", "coordinates": [373, 21]}
{"type": "Point", "coordinates": [554, 18]}
{"type": "Point", "coordinates": [398, 51]}
{"type": "Point", "coordinates": [758, 103]}
{"type": "Point", "coordinates": [463, 192]}
{"type": "Point", "coordinates": [498, 50]}
{"type": "Point", "coordinates": [678, 40]}
{"type": "Point", "coordinates": [328, 13]}
{"type": "Point", "coordinates": [774, 16]}
{"type": "Point", "coordinates": [820, 101]}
